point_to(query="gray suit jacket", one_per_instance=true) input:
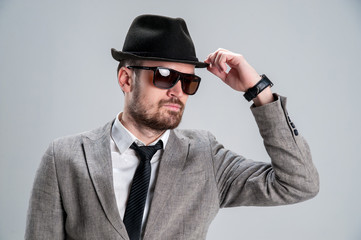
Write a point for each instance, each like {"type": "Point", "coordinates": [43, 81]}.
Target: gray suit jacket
{"type": "Point", "coordinates": [73, 195]}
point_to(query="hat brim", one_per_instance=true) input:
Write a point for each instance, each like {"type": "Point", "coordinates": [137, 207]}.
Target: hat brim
{"type": "Point", "coordinates": [119, 56]}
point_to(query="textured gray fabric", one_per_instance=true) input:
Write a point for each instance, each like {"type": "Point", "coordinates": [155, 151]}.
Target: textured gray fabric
{"type": "Point", "coordinates": [73, 195]}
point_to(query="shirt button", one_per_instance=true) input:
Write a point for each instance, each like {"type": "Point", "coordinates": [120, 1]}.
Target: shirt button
{"type": "Point", "coordinates": [293, 125]}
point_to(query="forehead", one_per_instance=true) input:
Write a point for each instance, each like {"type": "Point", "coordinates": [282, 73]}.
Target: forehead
{"type": "Point", "coordinates": [180, 67]}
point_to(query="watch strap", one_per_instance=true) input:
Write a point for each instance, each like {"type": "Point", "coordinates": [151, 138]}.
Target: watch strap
{"type": "Point", "coordinates": [258, 88]}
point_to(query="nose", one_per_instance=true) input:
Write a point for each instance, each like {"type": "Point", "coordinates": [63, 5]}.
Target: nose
{"type": "Point", "coordinates": [176, 90]}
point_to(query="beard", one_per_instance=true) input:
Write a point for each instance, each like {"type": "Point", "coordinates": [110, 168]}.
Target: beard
{"type": "Point", "coordinates": [154, 116]}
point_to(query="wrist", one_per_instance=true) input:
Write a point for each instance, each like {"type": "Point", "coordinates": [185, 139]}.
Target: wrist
{"type": "Point", "coordinates": [253, 92]}
{"type": "Point", "coordinates": [264, 97]}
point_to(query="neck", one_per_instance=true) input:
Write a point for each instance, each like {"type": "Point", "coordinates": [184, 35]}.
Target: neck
{"type": "Point", "coordinates": [143, 133]}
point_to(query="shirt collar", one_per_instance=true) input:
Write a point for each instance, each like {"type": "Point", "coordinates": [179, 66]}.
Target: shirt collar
{"type": "Point", "coordinates": [123, 138]}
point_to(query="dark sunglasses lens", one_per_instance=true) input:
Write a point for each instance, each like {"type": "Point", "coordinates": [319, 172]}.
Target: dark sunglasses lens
{"type": "Point", "coordinates": [190, 84]}
{"type": "Point", "coordinates": [165, 78]}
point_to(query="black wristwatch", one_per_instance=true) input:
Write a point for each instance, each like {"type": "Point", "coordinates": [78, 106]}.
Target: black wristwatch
{"type": "Point", "coordinates": [259, 87]}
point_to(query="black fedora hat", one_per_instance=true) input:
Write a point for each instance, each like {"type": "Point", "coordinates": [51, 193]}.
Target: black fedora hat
{"type": "Point", "coordinates": [159, 38]}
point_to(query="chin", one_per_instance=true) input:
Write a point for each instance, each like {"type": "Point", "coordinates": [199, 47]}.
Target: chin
{"type": "Point", "coordinates": [170, 120]}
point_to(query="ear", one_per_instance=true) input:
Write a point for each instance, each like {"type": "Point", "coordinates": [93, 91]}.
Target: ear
{"type": "Point", "coordinates": [124, 79]}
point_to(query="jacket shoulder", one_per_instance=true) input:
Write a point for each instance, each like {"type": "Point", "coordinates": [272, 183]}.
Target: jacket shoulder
{"type": "Point", "coordinates": [193, 135]}
{"type": "Point", "coordinates": [74, 141]}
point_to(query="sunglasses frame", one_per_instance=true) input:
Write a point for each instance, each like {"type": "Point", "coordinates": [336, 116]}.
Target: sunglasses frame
{"type": "Point", "coordinates": [180, 77]}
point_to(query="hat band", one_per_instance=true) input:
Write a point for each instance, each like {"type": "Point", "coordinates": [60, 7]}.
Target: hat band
{"type": "Point", "coordinates": [161, 55]}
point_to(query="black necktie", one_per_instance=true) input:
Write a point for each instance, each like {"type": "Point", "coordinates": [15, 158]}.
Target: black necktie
{"type": "Point", "coordinates": [138, 193]}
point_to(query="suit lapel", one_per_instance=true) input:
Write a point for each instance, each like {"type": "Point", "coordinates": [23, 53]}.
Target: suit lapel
{"type": "Point", "coordinates": [170, 168]}
{"type": "Point", "coordinates": [98, 158]}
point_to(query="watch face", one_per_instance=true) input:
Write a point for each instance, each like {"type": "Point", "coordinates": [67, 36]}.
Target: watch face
{"type": "Point", "coordinates": [258, 88]}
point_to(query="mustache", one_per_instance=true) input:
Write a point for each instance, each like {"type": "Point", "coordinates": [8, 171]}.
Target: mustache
{"type": "Point", "coordinates": [172, 100]}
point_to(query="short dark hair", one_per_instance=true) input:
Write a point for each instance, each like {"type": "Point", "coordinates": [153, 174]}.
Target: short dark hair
{"type": "Point", "coordinates": [129, 62]}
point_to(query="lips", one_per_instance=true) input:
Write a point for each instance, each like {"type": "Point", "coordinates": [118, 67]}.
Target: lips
{"type": "Point", "coordinates": [172, 106]}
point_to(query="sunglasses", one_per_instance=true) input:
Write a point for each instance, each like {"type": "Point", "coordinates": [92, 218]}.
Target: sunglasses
{"type": "Point", "coordinates": [166, 78]}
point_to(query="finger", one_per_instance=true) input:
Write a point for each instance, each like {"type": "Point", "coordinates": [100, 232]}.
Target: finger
{"type": "Point", "coordinates": [215, 62]}
{"type": "Point", "coordinates": [220, 61]}
{"type": "Point", "coordinates": [210, 58]}
{"type": "Point", "coordinates": [215, 71]}
{"type": "Point", "coordinates": [212, 63]}
{"type": "Point", "coordinates": [233, 59]}
{"type": "Point", "coordinates": [223, 57]}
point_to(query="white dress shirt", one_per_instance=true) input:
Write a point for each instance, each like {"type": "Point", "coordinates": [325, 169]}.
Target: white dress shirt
{"type": "Point", "coordinates": [125, 162]}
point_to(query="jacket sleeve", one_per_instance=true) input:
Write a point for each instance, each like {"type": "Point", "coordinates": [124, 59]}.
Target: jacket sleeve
{"type": "Point", "coordinates": [290, 177]}
{"type": "Point", "coordinates": [45, 218]}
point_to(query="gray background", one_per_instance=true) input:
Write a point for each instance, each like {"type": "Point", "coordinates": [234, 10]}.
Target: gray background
{"type": "Point", "coordinates": [57, 77]}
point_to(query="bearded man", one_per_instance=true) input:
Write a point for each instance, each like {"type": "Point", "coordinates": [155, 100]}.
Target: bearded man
{"type": "Point", "coordinates": [138, 177]}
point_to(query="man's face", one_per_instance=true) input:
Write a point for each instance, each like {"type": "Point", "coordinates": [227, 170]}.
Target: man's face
{"type": "Point", "coordinates": [155, 108]}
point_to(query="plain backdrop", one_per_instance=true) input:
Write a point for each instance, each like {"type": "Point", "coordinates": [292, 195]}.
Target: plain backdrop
{"type": "Point", "coordinates": [57, 77]}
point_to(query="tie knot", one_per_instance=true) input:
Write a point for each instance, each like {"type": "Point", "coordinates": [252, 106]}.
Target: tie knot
{"type": "Point", "coordinates": [146, 152]}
